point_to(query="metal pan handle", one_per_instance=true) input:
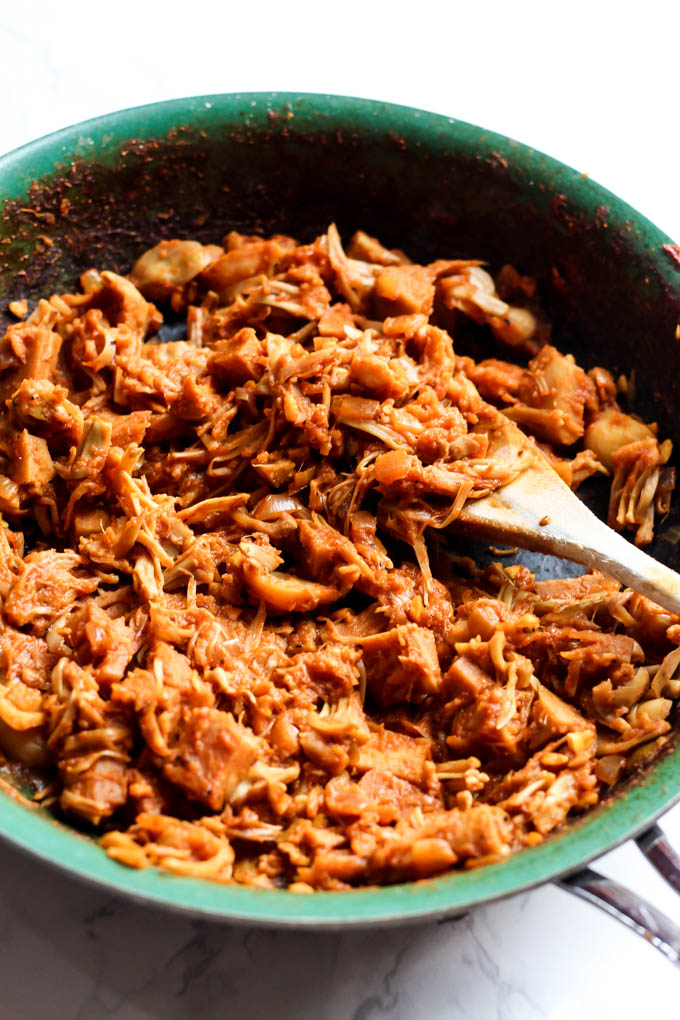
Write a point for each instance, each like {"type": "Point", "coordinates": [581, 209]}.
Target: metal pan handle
{"type": "Point", "coordinates": [629, 908]}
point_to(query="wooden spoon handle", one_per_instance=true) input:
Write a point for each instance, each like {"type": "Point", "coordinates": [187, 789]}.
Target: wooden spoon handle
{"type": "Point", "coordinates": [538, 511]}
{"type": "Point", "coordinates": [613, 555]}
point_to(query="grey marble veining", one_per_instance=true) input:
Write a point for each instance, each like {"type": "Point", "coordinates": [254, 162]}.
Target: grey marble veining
{"type": "Point", "coordinates": [69, 951]}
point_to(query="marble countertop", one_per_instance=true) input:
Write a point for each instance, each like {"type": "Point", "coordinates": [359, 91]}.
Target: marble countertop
{"type": "Point", "coordinates": [593, 93]}
{"type": "Point", "coordinates": [67, 951]}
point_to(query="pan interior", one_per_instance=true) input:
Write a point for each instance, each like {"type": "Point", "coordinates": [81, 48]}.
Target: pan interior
{"type": "Point", "coordinates": [104, 191]}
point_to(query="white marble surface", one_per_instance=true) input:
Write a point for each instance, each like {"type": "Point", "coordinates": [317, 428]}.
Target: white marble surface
{"type": "Point", "coordinates": [593, 84]}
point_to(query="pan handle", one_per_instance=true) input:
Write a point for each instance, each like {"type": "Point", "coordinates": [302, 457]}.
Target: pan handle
{"type": "Point", "coordinates": [629, 908]}
{"type": "Point", "coordinates": [655, 846]}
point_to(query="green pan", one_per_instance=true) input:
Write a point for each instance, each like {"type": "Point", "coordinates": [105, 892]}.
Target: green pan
{"type": "Point", "coordinates": [99, 193]}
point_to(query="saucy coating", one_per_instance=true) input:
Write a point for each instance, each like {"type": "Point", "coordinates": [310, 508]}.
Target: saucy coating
{"type": "Point", "coordinates": [232, 642]}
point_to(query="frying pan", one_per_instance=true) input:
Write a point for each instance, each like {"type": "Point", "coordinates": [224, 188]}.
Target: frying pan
{"type": "Point", "coordinates": [99, 193]}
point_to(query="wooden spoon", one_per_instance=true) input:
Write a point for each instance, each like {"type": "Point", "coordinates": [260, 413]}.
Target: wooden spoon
{"type": "Point", "coordinates": [538, 511]}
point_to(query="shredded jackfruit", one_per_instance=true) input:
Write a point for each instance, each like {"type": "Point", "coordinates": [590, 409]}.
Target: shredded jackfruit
{"type": "Point", "coordinates": [233, 641]}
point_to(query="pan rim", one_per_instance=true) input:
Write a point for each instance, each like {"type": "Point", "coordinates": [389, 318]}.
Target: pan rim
{"type": "Point", "coordinates": [633, 810]}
